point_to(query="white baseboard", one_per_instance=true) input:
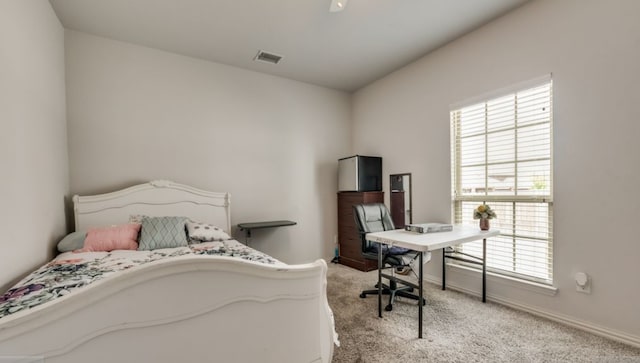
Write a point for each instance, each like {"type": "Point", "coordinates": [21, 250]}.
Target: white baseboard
{"type": "Point", "coordinates": [563, 319]}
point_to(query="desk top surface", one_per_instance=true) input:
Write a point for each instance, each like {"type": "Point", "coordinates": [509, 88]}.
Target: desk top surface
{"type": "Point", "coordinates": [431, 241]}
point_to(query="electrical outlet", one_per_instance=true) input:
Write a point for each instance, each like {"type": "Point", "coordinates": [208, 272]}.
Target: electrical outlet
{"type": "Point", "coordinates": [584, 289]}
{"type": "Point", "coordinates": [583, 283]}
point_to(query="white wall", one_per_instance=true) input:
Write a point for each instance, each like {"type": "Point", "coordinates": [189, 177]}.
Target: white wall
{"type": "Point", "coordinates": [33, 141]}
{"type": "Point", "coordinates": [138, 114]}
{"type": "Point", "coordinates": [593, 50]}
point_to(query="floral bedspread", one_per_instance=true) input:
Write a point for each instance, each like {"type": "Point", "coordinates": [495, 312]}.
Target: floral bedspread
{"type": "Point", "coordinates": [70, 271]}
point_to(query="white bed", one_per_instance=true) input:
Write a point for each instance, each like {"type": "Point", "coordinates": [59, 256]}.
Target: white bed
{"type": "Point", "coordinates": [188, 309]}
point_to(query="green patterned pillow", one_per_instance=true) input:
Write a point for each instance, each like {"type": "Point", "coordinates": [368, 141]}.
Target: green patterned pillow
{"type": "Point", "coordinates": [162, 232]}
{"type": "Point", "coordinates": [72, 241]}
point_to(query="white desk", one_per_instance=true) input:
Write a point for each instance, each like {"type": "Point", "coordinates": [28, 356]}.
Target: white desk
{"type": "Point", "coordinates": [427, 242]}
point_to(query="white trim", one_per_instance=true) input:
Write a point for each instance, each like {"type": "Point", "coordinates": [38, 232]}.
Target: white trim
{"type": "Point", "coordinates": [501, 92]}
{"type": "Point", "coordinates": [573, 322]}
{"type": "Point", "coordinates": [619, 336]}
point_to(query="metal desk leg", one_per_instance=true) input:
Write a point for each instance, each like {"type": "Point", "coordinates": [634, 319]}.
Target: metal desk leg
{"type": "Point", "coordinates": [420, 297]}
{"type": "Point", "coordinates": [444, 264]}
{"type": "Point", "coordinates": [484, 270]}
{"type": "Point", "coordinates": [380, 280]}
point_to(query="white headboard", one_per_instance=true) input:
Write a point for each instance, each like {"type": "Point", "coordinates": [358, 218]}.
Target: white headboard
{"type": "Point", "coordinates": [157, 198]}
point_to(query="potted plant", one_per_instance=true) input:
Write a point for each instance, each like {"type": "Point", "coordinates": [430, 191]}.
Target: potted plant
{"type": "Point", "coordinates": [484, 213]}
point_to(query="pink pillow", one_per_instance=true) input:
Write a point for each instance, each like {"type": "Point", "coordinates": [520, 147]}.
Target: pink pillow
{"type": "Point", "coordinates": [122, 237]}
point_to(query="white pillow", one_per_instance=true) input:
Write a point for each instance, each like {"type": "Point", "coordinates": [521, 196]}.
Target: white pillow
{"type": "Point", "coordinates": [137, 218]}
{"type": "Point", "coordinates": [204, 232]}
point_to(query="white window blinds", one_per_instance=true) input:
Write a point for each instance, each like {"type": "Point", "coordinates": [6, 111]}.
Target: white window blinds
{"type": "Point", "coordinates": [502, 156]}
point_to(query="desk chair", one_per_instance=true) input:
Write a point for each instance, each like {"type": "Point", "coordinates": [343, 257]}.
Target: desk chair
{"type": "Point", "coordinates": [375, 217]}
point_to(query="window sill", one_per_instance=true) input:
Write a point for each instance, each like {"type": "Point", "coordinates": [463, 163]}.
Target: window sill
{"type": "Point", "coordinates": [511, 282]}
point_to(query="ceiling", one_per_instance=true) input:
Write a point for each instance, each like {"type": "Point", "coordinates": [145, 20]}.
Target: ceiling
{"type": "Point", "coordinates": [343, 50]}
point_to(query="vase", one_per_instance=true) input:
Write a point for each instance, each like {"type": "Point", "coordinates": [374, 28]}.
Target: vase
{"type": "Point", "coordinates": [484, 224]}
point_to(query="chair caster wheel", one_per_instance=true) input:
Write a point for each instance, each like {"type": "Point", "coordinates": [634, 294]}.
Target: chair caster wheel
{"type": "Point", "coordinates": [363, 295]}
{"type": "Point", "coordinates": [424, 302]}
{"type": "Point", "coordinates": [388, 307]}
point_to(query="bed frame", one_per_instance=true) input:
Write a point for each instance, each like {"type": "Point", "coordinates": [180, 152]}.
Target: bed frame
{"type": "Point", "coordinates": [192, 309]}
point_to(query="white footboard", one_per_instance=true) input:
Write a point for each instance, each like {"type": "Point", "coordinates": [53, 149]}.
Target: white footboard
{"type": "Point", "coordinates": [188, 309]}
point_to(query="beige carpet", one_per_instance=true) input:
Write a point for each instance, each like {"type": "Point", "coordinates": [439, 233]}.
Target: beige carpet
{"type": "Point", "coordinates": [458, 328]}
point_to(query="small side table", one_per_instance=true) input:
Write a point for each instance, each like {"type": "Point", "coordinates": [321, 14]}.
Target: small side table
{"type": "Point", "coordinates": [247, 227]}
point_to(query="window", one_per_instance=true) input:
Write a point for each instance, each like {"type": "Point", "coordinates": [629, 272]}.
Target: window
{"type": "Point", "coordinates": [502, 157]}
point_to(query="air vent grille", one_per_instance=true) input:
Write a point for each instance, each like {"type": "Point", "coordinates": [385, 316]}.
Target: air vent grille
{"type": "Point", "coordinates": [267, 57]}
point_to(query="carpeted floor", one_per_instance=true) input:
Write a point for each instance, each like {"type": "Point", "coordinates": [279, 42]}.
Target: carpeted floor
{"type": "Point", "coordinates": [458, 328]}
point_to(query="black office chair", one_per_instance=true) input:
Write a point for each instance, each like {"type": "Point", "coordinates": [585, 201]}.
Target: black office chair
{"type": "Point", "coordinates": [375, 217]}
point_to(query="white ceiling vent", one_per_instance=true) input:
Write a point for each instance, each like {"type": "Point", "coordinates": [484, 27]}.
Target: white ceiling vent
{"type": "Point", "coordinates": [267, 57]}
